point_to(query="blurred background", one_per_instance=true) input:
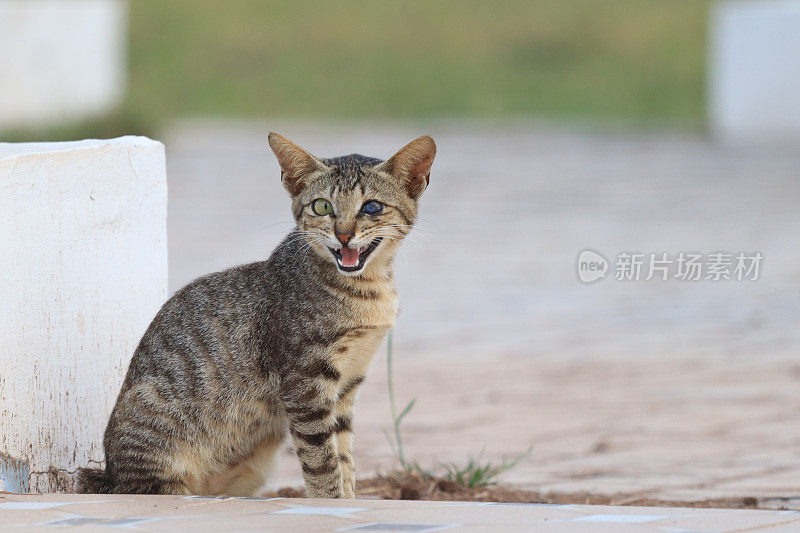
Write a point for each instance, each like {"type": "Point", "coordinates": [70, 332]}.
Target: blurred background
{"type": "Point", "coordinates": [621, 126]}
{"type": "Point", "coordinates": [637, 61]}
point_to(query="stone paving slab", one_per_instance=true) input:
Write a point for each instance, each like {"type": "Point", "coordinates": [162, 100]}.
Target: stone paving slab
{"type": "Point", "coordinates": [176, 513]}
{"type": "Point", "coordinates": [674, 429]}
{"type": "Point", "coordinates": [673, 390]}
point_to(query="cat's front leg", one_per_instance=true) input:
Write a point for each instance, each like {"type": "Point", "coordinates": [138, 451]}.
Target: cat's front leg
{"type": "Point", "coordinates": [312, 421]}
{"type": "Point", "coordinates": [344, 441]}
{"type": "Point", "coordinates": [344, 436]}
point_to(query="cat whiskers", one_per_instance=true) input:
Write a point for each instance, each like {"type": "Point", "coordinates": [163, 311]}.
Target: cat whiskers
{"type": "Point", "coordinates": [389, 237]}
{"type": "Point", "coordinates": [308, 238]}
{"type": "Point", "coordinates": [406, 226]}
{"type": "Point", "coordinates": [386, 232]}
{"type": "Point", "coordinates": [305, 234]}
{"type": "Point", "coordinates": [411, 237]}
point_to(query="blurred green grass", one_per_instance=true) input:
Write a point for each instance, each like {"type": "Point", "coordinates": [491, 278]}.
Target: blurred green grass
{"type": "Point", "coordinates": [630, 60]}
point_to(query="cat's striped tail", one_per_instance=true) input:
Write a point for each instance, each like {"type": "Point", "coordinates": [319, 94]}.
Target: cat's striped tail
{"type": "Point", "coordinates": [92, 481]}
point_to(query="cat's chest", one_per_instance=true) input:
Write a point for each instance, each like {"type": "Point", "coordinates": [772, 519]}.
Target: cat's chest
{"type": "Point", "coordinates": [357, 303]}
{"type": "Point", "coordinates": [352, 354]}
{"type": "Point", "coordinates": [364, 313]}
{"type": "Point", "coordinates": [373, 312]}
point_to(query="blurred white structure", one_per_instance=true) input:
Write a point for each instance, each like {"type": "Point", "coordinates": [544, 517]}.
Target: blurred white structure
{"type": "Point", "coordinates": [754, 70]}
{"type": "Point", "coordinates": [61, 59]}
{"type": "Point", "coordinates": [83, 256]}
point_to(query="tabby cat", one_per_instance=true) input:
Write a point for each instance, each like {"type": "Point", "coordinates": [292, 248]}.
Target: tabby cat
{"type": "Point", "coordinates": [238, 359]}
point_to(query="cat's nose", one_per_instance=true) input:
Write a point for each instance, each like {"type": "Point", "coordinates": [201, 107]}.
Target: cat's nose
{"type": "Point", "coordinates": [344, 238]}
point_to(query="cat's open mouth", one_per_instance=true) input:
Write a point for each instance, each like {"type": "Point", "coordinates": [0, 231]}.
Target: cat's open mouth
{"type": "Point", "coordinates": [351, 260]}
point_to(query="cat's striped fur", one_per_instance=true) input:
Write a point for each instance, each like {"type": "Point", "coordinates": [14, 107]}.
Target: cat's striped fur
{"type": "Point", "coordinates": [237, 360]}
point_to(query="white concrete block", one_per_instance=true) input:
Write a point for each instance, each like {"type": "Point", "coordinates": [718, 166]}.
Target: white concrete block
{"type": "Point", "coordinates": [754, 70]}
{"type": "Point", "coordinates": [83, 256]}
{"type": "Point", "coordinates": [61, 59]}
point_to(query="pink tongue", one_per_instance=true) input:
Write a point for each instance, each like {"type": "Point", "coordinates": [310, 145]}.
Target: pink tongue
{"type": "Point", "coordinates": [349, 256]}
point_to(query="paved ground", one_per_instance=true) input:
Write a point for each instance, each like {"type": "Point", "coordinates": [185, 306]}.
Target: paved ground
{"type": "Point", "coordinates": [173, 513]}
{"type": "Point", "coordinates": [672, 389]}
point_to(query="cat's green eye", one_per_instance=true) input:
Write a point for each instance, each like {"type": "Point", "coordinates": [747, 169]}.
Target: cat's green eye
{"type": "Point", "coordinates": [322, 207]}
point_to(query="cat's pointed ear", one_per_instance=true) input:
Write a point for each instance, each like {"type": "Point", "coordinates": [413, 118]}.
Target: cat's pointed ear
{"type": "Point", "coordinates": [296, 164]}
{"type": "Point", "coordinates": [412, 164]}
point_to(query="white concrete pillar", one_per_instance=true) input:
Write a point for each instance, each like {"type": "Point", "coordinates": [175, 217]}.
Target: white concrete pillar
{"type": "Point", "coordinates": [754, 70]}
{"type": "Point", "coordinates": [83, 270]}
{"type": "Point", "coordinates": [61, 60]}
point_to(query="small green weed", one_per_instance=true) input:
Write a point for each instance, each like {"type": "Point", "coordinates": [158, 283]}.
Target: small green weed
{"type": "Point", "coordinates": [479, 473]}
{"type": "Point", "coordinates": [475, 473]}
{"type": "Point", "coordinates": [397, 418]}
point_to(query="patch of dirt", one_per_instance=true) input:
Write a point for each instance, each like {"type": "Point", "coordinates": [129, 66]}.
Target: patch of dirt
{"type": "Point", "coordinates": [411, 486]}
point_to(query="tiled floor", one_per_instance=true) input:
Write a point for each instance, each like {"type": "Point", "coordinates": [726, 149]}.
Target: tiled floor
{"type": "Point", "coordinates": [677, 390]}
{"type": "Point", "coordinates": [172, 513]}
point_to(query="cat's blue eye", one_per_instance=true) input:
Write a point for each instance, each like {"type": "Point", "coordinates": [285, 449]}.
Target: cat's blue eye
{"type": "Point", "coordinates": [372, 208]}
